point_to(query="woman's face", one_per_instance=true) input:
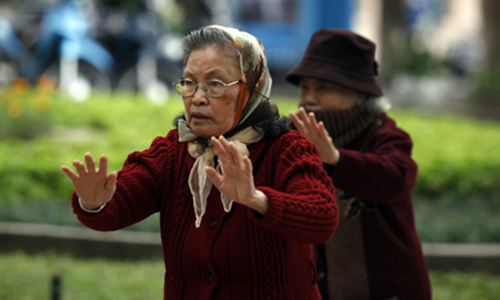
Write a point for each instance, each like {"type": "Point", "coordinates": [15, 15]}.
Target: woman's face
{"type": "Point", "coordinates": [207, 116]}
{"type": "Point", "coordinates": [317, 94]}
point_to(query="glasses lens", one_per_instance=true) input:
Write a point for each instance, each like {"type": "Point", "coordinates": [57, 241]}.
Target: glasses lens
{"type": "Point", "coordinates": [214, 88]}
{"type": "Point", "coordinates": [179, 87]}
{"type": "Point", "coordinates": [185, 87]}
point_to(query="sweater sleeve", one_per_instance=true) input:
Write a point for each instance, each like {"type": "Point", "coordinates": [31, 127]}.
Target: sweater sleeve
{"type": "Point", "coordinates": [301, 198]}
{"type": "Point", "coordinates": [384, 174]}
{"type": "Point", "coordinates": [138, 190]}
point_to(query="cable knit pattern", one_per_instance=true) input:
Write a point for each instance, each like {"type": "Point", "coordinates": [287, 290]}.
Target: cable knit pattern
{"type": "Point", "coordinates": [234, 255]}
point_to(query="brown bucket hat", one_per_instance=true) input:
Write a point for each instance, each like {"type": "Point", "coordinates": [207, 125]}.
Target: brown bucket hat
{"type": "Point", "coordinates": [342, 57]}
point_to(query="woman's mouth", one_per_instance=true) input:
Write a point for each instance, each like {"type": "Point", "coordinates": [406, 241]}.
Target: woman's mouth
{"type": "Point", "coordinates": [199, 117]}
{"type": "Point", "coordinates": [310, 107]}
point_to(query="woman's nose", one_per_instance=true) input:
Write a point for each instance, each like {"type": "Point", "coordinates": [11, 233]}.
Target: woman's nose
{"type": "Point", "coordinates": [199, 97]}
{"type": "Point", "coordinates": [308, 98]}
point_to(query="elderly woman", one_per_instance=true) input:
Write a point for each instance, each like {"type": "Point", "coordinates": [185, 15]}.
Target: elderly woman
{"type": "Point", "coordinates": [241, 198]}
{"type": "Point", "coordinates": [375, 252]}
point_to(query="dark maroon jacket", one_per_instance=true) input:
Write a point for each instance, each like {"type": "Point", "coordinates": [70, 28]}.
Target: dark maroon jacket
{"type": "Point", "coordinates": [376, 254]}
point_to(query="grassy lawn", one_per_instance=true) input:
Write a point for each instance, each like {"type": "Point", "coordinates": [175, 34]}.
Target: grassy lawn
{"type": "Point", "coordinates": [464, 286]}
{"type": "Point", "coordinates": [28, 277]}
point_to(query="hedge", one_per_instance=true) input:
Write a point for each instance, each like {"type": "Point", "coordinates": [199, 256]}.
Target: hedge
{"type": "Point", "coordinates": [456, 155]}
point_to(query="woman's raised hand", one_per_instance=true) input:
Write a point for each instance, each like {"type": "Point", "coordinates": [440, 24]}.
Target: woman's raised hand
{"type": "Point", "coordinates": [94, 186]}
{"type": "Point", "coordinates": [236, 181]}
{"type": "Point", "coordinates": [316, 133]}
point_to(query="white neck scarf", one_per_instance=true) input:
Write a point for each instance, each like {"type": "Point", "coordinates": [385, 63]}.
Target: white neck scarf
{"type": "Point", "coordinates": [199, 184]}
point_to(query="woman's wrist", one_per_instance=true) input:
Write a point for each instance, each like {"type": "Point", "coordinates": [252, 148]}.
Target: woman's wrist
{"type": "Point", "coordinates": [333, 158]}
{"type": "Point", "coordinates": [260, 202]}
{"type": "Point", "coordinates": [91, 208]}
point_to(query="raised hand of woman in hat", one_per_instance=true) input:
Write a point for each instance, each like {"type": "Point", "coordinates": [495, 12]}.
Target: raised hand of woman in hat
{"type": "Point", "coordinates": [236, 181]}
{"type": "Point", "coordinates": [93, 186]}
{"type": "Point", "coordinates": [316, 133]}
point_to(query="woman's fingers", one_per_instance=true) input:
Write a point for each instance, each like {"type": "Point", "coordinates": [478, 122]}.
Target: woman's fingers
{"type": "Point", "coordinates": [323, 133]}
{"type": "Point", "coordinates": [90, 162]}
{"type": "Point", "coordinates": [224, 150]}
{"type": "Point", "coordinates": [247, 164]}
{"type": "Point", "coordinates": [103, 165]}
{"type": "Point", "coordinates": [313, 122]}
{"type": "Point", "coordinates": [91, 167]}
{"type": "Point", "coordinates": [70, 173]}
{"type": "Point", "coordinates": [235, 156]}
{"type": "Point", "coordinates": [217, 142]}
{"type": "Point", "coordinates": [228, 154]}
{"type": "Point", "coordinates": [111, 182]}
{"type": "Point", "coordinates": [213, 176]}
{"type": "Point", "coordinates": [304, 122]}
{"type": "Point", "coordinates": [304, 118]}
{"type": "Point", "coordinates": [297, 122]}
{"type": "Point", "coordinates": [80, 168]}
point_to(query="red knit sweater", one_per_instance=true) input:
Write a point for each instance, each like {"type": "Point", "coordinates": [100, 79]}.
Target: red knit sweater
{"type": "Point", "coordinates": [235, 255]}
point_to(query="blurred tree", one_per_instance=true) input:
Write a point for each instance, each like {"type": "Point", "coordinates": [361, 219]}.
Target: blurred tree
{"type": "Point", "coordinates": [491, 34]}
{"type": "Point", "coordinates": [121, 4]}
{"type": "Point", "coordinates": [394, 36]}
{"type": "Point", "coordinates": [197, 13]}
{"type": "Point", "coordinates": [488, 84]}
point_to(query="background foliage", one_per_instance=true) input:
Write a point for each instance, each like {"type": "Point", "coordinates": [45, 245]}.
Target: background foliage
{"type": "Point", "coordinates": [458, 159]}
{"type": "Point", "coordinates": [456, 155]}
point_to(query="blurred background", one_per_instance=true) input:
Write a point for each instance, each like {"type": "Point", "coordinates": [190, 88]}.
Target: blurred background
{"type": "Point", "coordinates": [434, 52]}
{"type": "Point", "coordinates": [96, 75]}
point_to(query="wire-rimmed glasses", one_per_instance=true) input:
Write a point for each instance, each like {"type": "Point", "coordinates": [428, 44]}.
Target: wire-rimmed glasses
{"type": "Point", "coordinates": [212, 88]}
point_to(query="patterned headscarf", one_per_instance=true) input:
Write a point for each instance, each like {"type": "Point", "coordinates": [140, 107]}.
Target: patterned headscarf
{"type": "Point", "coordinates": [253, 107]}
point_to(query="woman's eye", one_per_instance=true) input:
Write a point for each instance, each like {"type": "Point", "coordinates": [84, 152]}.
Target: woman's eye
{"type": "Point", "coordinates": [188, 83]}
{"type": "Point", "coordinates": [213, 84]}
{"type": "Point", "coordinates": [303, 87]}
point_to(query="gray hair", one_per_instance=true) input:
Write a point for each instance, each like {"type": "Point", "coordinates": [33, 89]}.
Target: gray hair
{"type": "Point", "coordinates": [376, 104]}
{"type": "Point", "coordinates": [207, 37]}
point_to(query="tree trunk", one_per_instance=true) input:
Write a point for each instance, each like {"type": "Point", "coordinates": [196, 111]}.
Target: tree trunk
{"type": "Point", "coordinates": [488, 87]}
{"type": "Point", "coordinates": [394, 36]}
{"type": "Point", "coordinates": [491, 35]}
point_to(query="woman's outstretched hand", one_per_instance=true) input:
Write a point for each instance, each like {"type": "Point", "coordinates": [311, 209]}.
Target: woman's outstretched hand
{"type": "Point", "coordinates": [316, 133]}
{"type": "Point", "coordinates": [236, 181]}
{"type": "Point", "coordinates": [94, 186]}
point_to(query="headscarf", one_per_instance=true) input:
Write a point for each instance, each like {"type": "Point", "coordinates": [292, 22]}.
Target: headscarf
{"type": "Point", "coordinates": [253, 107]}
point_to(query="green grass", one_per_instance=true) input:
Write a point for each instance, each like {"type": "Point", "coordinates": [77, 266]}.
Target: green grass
{"type": "Point", "coordinates": [28, 277]}
{"type": "Point", "coordinates": [464, 286]}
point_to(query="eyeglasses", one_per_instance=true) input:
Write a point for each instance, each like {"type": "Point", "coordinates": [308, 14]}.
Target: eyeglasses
{"type": "Point", "coordinates": [212, 88]}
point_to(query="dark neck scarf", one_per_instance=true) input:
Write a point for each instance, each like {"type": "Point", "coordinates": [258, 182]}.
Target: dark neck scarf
{"type": "Point", "coordinates": [345, 125]}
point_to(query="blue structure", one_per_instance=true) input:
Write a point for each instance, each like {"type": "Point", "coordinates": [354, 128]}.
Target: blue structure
{"type": "Point", "coordinates": [64, 32]}
{"type": "Point", "coordinates": [285, 26]}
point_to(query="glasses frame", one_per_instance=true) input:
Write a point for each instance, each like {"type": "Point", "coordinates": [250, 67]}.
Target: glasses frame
{"type": "Point", "coordinates": [204, 88]}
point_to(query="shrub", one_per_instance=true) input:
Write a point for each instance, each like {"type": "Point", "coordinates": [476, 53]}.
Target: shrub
{"type": "Point", "coordinates": [24, 111]}
{"type": "Point", "coordinates": [456, 156]}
